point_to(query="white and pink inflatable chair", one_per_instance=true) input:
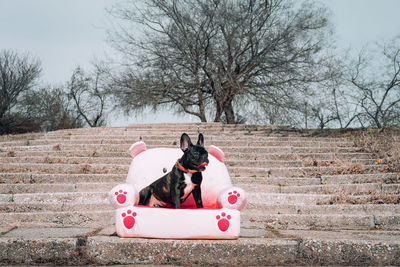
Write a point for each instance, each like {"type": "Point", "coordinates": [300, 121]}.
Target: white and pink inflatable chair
{"type": "Point", "coordinates": [219, 219]}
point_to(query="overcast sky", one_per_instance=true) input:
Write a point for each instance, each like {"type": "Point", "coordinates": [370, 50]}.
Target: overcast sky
{"type": "Point", "coordinates": [66, 33]}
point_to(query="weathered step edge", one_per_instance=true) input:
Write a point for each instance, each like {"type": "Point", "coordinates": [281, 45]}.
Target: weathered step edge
{"type": "Point", "coordinates": [105, 250]}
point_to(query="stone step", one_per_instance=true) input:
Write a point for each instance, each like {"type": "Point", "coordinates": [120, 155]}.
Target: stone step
{"type": "Point", "coordinates": [174, 133]}
{"type": "Point", "coordinates": [92, 218]}
{"type": "Point", "coordinates": [264, 143]}
{"type": "Point", "coordinates": [67, 154]}
{"type": "Point", "coordinates": [256, 247]}
{"type": "Point", "coordinates": [106, 186]}
{"type": "Point", "coordinates": [31, 178]}
{"type": "Point", "coordinates": [34, 178]}
{"type": "Point", "coordinates": [52, 188]}
{"type": "Point", "coordinates": [319, 157]}
{"type": "Point", "coordinates": [127, 160]}
{"type": "Point", "coordinates": [309, 158]}
{"type": "Point", "coordinates": [57, 197]}
{"type": "Point", "coordinates": [261, 198]}
{"type": "Point", "coordinates": [321, 221]}
{"type": "Point", "coordinates": [89, 197]}
{"type": "Point", "coordinates": [235, 171]}
{"type": "Point", "coordinates": [175, 142]}
{"type": "Point", "coordinates": [207, 125]}
{"type": "Point", "coordinates": [192, 131]}
{"type": "Point", "coordinates": [164, 126]}
{"type": "Point", "coordinates": [250, 218]}
{"type": "Point", "coordinates": [68, 160]}
{"type": "Point", "coordinates": [249, 187]}
{"type": "Point", "coordinates": [347, 189]}
{"type": "Point", "coordinates": [124, 147]}
{"type": "Point", "coordinates": [188, 126]}
{"type": "Point", "coordinates": [209, 138]}
{"type": "Point", "coordinates": [361, 209]}
{"type": "Point", "coordinates": [302, 171]}
{"type": "Point", "coordinates": [386, 178]}
{"type": "Point", "coordinates": [383, 178]}
{"type": "Point", "coordinates": [12, 207]}
{"type": "Point", "coordinates": [293, 163]}
{"type": "Point", "coordinates": [26, 136]}
{"type": "Point", "coordinates": [64, 168]}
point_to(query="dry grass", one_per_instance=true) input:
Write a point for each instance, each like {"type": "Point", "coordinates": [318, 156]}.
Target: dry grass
{"type": "Point", "coordinates": [48, 160]}
{"type": "Point", "coordinates": [85, 169]}
{"type": "Point", "coordinates": [57, 147]}
{"type": "Point", "coordinates": [333, 168]}
{"type": "Point", "coordinates": [16, 137]}
{"type": "Point", "coordinates": [309, 162]}
{"type": "Point", "coordinates": [383, 144]}
{"type": "Point", "coordinates": [10, 154]}
{"type": "Point", "coordinates": [371, 198]}
{"type": "Point", "coordinates": [342, 196]}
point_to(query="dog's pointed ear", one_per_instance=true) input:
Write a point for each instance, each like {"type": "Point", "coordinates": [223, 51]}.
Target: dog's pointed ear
{"type": "Point", "coordinates": [185, 142]}
{"type": "Point", "coordinates": [200, 142]}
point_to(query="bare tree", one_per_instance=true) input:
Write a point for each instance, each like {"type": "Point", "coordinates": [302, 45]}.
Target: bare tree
{"type": "Point", "coordinates": [197, 53]}
{"type": "Point", "coordinates": [88, 96]}
{"type": "Point", "coordinates": [376, 80]}
{"type": "Point", "coordinates": [329, 106]}
{"type": "Point", "coordinates": [18, 74]}
{"type": "Point", "coordinates": [49, 109]}
{"type": "Point", "coordinates": [166, 65]}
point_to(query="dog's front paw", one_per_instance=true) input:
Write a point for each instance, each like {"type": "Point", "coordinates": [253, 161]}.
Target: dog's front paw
{"type": "Point", "coordinates": [233, 198]}
{"type": "Point", "coordinates": [123, 195]}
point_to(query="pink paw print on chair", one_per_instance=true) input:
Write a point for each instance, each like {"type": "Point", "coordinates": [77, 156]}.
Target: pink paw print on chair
{"type": "Point", "coordinates": [223, 222]}
{"type": "Point", "coordinates": [233, 197]}
{"type": "Point", "coordinates": [128, 219]}
{"type": "Point", "coordinates": [121, 196]}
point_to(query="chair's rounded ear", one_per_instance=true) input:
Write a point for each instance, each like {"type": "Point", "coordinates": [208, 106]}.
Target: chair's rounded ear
{"type": "Point", "coordinates": [200, 141]}
{"type": "Point", "coordinates": [137, 148]}
{"type": "Point", "coordinates": [216, 152]}
{"type": "Point", "coordinates": [185, 142]}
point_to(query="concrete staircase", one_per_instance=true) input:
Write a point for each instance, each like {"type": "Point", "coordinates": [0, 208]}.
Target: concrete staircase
{"type": "Point", "coordinates": [310, 200]}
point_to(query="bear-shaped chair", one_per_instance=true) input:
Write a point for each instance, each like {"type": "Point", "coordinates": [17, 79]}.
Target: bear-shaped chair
{"type": "Point", "coordinates": [219, 219]}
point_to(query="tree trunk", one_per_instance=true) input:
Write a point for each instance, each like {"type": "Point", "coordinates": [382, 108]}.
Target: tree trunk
{"type": "Point", "coordinates": [229, 112]}
{"type": "Point", "coordinates": [224, 106]}
{"type": "Point", "coordinates": [219, 111]}
{"type": "Point", "coordinates": [202, 112]}
{"type": "Point", "coordinates": [203, 117]}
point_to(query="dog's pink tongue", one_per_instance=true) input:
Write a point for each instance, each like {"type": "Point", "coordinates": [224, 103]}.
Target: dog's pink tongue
{"type": "Point", "coordinates": [203, 164]}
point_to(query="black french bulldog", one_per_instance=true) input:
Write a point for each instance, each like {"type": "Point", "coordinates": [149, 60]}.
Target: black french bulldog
{"type": "Point", "coordinates": [185, 177]}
